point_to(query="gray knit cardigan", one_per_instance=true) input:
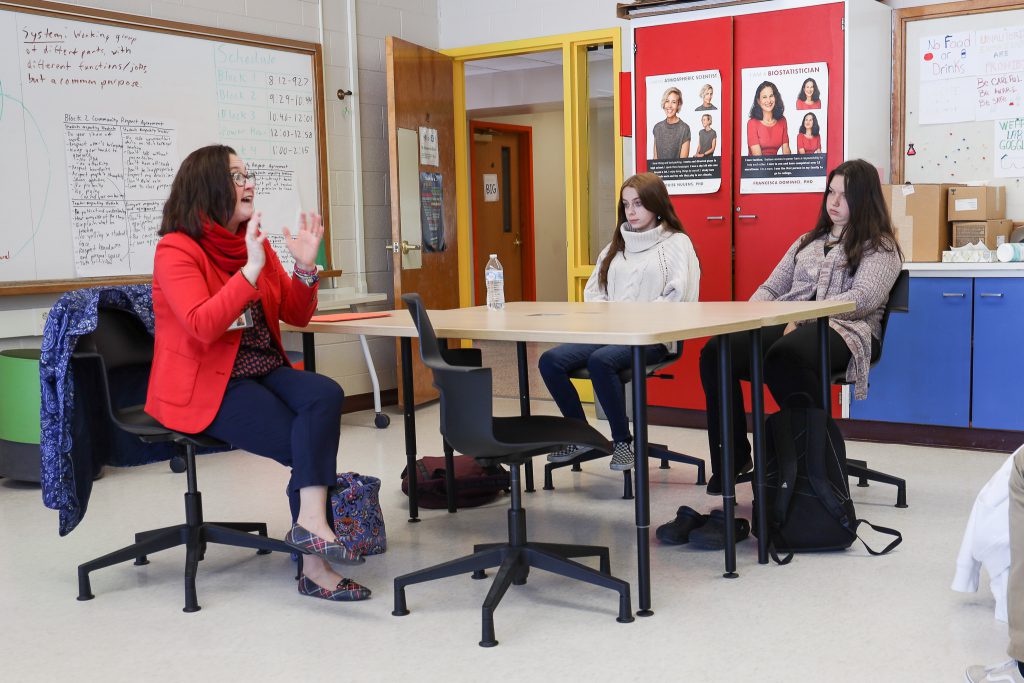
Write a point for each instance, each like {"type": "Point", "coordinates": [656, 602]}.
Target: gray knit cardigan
{"type": "Point", "coordinates": [813, 274]}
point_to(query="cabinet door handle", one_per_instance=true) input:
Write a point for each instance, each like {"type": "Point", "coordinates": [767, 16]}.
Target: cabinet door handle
{"type": "Point", "coordinates": [952, 294]}
{"type": "Point", "coordinates": [747, 215]}
{"type": "Point", "coordinates": [716, 218]}
{"type": "Point", "coordinates": [998, 295]}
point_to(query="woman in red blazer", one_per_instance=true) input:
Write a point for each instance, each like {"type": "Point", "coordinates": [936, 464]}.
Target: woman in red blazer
{"type": "Point", "coordinates": [219, 292]}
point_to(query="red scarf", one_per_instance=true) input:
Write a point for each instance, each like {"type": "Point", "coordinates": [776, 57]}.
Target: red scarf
{"type": "Point", "coordinates": [226, 250]}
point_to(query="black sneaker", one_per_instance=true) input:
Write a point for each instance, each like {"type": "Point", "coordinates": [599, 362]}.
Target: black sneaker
{"type": "Point", "coordinates": [714, 487]}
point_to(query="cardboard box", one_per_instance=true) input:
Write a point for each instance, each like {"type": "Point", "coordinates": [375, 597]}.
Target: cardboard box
{"type": "Point", "coordinates": [981, 203]}
{"type": "Point", "coordinates": [919, 218]}
{"type": "Point", "coordinates": [992, 233]}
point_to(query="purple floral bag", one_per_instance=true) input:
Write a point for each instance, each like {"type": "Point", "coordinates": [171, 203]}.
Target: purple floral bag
{"type": "Point", "coordinates": [358, 520]}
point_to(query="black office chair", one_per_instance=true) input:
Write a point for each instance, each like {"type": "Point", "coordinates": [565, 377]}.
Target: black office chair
{"type": "Point", "coordinates": [654, 450]}
{"type": "Point", "coordinates": [899, 300]}
{"type": "Point", "coordinates": [468, 424]}
{"type": "Point", "coordinates": [122, 348]}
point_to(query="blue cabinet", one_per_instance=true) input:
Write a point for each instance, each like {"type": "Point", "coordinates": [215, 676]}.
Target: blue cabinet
{"type": "Point", "coordinates": [998, 336]}
{"type": "Point", "coordinates": [924, 376]}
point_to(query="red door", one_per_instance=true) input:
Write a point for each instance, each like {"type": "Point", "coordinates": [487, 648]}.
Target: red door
{"type": "Point", "coordinates": [795, 36]}
{"type": "Point", "coordinates": [677, 48]}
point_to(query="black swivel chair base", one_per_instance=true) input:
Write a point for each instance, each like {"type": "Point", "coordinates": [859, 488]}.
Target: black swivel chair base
{"type": "Point", "coordinates": [514, 560]}
{"type": "Point", "coordinates": [654, 451]}
{"type": "Point", "coordinates": [194, 534]}
{"type": "Point", "coordinates": [859, 469]}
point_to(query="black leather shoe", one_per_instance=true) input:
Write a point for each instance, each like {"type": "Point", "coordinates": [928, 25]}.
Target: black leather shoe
{"type": "Point", "coordinates": [711, 536]}
{"type": "Point", "coordinates": [677, 532]}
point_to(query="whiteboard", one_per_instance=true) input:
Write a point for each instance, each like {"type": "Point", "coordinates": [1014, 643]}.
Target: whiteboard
{"type": "Point", "coordinates": [961, 145]}
{"type": "Point", "coordinates": [96, 117]}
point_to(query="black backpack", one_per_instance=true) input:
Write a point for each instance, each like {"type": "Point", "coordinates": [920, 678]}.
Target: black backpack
{"type": "Point", "coordinates": [807, 491]}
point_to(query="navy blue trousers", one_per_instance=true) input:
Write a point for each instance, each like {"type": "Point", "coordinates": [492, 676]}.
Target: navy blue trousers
{"type": "Point", "coordinates": [603, 362]}
{"type": "Point", "coordinates": [291, 416]}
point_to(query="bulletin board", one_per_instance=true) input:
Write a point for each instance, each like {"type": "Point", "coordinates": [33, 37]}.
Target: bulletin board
{"type": "Point", "coordinates": [958, 96]}
{"type": "Point", "coordinates": [97, 110]}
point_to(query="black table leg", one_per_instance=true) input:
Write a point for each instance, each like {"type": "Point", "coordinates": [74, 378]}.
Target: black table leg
{"type": "Point", "coordinates": [823, 367]}
{"type": "Point", "coordinates": [757, 407]}
{"type": "Point", "coordinates": [409, 413]}
{"type": "Point", "coordinates": [308, 352]}
{"type": "Point", "coordinates": [524, 403]}
{"type": "Point", "coordinates": [642, 499]}
{"type": "Point", "coordinates": [728, 456]}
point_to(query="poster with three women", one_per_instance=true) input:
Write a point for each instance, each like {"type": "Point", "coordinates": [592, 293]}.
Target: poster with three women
{"type": "Point", "coordinates": [784, 125]}
{"type": "Point", "coordinates": [683, 144]}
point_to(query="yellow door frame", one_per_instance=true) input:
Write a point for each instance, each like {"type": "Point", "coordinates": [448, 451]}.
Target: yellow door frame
{"type": "Point", "coordinates": [576, 113]}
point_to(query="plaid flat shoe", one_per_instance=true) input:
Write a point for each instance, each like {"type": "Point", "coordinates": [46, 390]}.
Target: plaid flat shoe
{"type": "Point", "coordinates": [310, 544]}
{"type": "Point", "coordinates": [347, 590]}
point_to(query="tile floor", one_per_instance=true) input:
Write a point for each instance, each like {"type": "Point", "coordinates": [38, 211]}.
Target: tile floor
{"type": "Point", "coordinates": [832, 617]}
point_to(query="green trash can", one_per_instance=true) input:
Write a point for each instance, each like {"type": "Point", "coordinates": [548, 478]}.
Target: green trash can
{"type": "Point", "coordinates": [19, 414]}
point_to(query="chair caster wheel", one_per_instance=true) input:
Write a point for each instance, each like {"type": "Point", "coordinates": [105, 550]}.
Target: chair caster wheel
{"type": "Point", "coordinates": [381, 421]}
{"type": "Point", "coordinates": [479, 574]}
{"type": "Point", "coordinates": [177, 464]}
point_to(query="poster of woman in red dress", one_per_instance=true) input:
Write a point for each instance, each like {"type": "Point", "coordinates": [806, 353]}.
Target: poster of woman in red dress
{"type": "Point", "coordinates": [783, 154]}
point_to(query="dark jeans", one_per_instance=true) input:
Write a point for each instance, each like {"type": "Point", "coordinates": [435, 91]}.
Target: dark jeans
{"type": "Point", "coordinates": [604, 362]}
{"type": "Point", "coordinates": [790, 366]}
{"type": "Point", "coordinates": [291, 416]}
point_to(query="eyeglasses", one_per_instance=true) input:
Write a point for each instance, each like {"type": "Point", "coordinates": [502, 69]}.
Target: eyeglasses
{"type": "Point", "coordinates": [241, 179]}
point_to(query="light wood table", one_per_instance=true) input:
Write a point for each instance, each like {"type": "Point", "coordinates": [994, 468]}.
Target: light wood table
{"type": "Point", "coordinates": [630, 324]}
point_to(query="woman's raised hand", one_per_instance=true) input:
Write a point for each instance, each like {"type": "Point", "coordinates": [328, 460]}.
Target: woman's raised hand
{"type": "Point", "coordinates": [305, 243]}
{"type": "Point", "coordinates": [254, 239]}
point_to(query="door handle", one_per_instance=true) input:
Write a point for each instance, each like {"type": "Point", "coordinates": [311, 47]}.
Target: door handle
{"type": "Point", "coordinates": [404, 247]}
{"type": "Point", "coordinates": [747, 215]}
{"type": "Point", "coordinates": [997, 295]}
{"type": "Point", "coordinates": [716, 218]}
{"type": "Point", "coordinates": [953, 294]}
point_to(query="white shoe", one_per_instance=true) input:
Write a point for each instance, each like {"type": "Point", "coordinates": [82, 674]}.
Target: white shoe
{"type": "Point", "coordinates": [1007, 672]}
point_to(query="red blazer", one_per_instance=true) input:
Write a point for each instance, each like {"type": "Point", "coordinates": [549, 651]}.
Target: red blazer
{"type": "Point", "coordinates": [194, 303]}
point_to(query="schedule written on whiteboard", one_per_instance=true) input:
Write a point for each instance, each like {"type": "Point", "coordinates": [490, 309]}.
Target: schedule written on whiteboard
{"type": "Point", "coordinates": [95, 119]}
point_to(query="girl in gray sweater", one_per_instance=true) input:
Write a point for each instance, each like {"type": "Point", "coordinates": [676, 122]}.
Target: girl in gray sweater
{"type": "Point", "coordinates": [850, 255]}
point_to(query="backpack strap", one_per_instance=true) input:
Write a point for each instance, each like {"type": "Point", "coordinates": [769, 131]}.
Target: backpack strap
{"type": "Point", "coordinates": [817, 442]}
{"type": "Point", "coordinates": [785, 457]}
{"type": "Point", "coordinates": [881, 530]}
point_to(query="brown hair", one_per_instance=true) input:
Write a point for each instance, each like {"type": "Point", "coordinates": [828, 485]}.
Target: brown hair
{"type": "Point", "coordinates": [202, 187]}
{"type": "Point", "coordinates": [870, 227]}
{"type": "Point", "coordinates": [654, 196]}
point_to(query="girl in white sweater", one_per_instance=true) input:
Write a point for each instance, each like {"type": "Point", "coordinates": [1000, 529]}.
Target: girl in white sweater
{"type": "Point", "coordinates": [650, 258]}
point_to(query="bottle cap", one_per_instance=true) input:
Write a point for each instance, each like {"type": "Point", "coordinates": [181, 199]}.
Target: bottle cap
{"type": "Point", "coordinates": [494, 256]}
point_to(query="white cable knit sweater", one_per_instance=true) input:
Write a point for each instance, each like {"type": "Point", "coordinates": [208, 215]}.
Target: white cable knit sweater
{"type": "Point", "coordinates": [657, 265]}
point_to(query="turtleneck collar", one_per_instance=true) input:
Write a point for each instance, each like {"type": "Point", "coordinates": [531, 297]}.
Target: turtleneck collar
{"type": "Point", "coordinates": [642, 241]}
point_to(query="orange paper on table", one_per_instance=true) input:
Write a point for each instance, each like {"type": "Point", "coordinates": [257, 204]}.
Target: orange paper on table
{"type": "Point", "coordinates": [342, 317]}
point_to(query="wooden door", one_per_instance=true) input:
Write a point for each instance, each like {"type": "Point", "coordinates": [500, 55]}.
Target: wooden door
{"type": "Point", "coordinates": [420, 95]}
{"type": "Point", "coordinates": [501, 178]}
{"type": "Point", "coordinates": [669, 49]}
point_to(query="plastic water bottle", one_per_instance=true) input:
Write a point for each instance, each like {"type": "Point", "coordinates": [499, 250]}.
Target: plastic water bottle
{"type": "Point", "coordinates": [494, 276]}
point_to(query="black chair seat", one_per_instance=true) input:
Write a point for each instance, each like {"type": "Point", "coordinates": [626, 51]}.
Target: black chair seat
{"type": "Point", "coordinates": [135, 420]}
{"type": "Point", "coordinates": [541, 434]}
